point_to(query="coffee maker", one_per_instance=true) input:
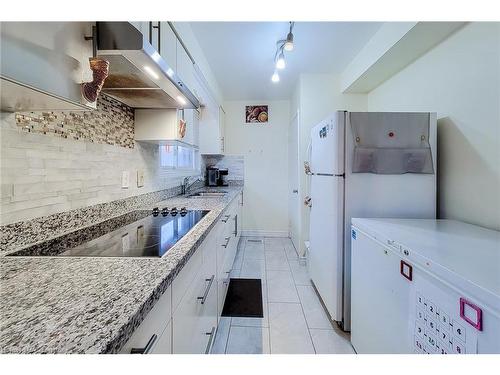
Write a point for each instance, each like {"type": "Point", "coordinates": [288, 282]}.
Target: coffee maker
{"type": "Point", "coordinates": [216, 176]}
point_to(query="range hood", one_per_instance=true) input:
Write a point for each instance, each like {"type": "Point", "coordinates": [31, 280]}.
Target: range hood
{"type": "Point", "coordinates": [138, 76]}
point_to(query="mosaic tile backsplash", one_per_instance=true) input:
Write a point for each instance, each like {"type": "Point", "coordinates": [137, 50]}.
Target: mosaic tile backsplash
{"type": "Point", "coordinates": [111, 123]}
{"type": "Point", "coordinates": [65, 162]}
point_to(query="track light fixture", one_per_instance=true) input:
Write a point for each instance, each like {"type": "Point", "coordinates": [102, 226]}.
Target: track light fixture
{"type": "Point", "coordinates": [280, 63]}
{"type": "Point", "coordinates": [279, 57]}
{"type": "Point", "coordinates": [289, 39]}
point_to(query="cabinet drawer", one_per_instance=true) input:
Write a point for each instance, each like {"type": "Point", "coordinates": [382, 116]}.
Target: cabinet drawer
{"type": "Point", "coordinates": [154, 323]}
{"type": "Point", "coordinates": [186, 276]}
{"type": "Point", "coordinates": [194, 318]}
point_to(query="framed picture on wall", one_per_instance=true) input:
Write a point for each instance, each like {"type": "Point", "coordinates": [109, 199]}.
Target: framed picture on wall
{"type": "Point", "coordinates": [256, 114]}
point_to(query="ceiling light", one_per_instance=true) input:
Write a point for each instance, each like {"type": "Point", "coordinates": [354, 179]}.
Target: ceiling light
{"type": "Point", "coordinates": [289, 42]}
{"type": "Point", "coordinates": [275, 77]}
{"type": "Point", "coordinates": [170, 72]}
{"type": "Point", "coordinates": [280, 63]}
{"type": "Point", "coordinates": [288, 46]}
{"type": "Point", "coordinates": [151, 72]}
{"type": "Point", "coordinates": [181, 100]}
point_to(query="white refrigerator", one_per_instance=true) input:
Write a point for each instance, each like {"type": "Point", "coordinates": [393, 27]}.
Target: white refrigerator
{"type": "Point", "coordinates": [425, 286]}
{"type": "Point", "coordinates": [364, 164]}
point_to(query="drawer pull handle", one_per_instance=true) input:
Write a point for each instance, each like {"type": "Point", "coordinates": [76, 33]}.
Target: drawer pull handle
{"type": "Point", "coordinates": [226, 218]}
{"type": "Point", "coordinates": [406, 270]}
{"type": "Point", "coordinates": [227, 242]}
{"type": "Point", "coordinates": [210, 340]}
{"type": "Point", "coordinates": [147, 348]}
{"type": "Point", "coordinates": [204, 297]}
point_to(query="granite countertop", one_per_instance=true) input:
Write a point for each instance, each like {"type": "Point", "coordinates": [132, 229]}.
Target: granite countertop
{"type": "Point", "coordinates": [91, 305]}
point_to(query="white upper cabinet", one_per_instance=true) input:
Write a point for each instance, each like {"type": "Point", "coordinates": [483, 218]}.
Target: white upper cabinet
{"type": "Point", "coordinates": [211, 127]}
{"type": "Point", "coordinates": [168, 45]}
{"type": "Point", "coordinates": [222, 129]}
{"type": "Point", "coordinates": [166, 125]}
{"type": "Point", "coordinates": [185, 68]}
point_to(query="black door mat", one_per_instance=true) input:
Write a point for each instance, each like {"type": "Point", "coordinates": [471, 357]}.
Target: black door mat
{"type": "Point", "coordinates": [244, 299]}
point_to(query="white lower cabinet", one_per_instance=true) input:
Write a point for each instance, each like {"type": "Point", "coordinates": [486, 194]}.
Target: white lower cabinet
{"type": "Point", "coordinates": [195, 319]}
{"type": "Point", "coordinates": [184, 319]}
{"type": "Point", "coordinates": [153, 334]}
{"type": "Point", "coordinates": [229, 236]}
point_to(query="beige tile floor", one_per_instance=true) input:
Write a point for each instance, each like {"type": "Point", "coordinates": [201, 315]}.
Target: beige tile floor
{"type": "Point", "coordinates": [294, 318]}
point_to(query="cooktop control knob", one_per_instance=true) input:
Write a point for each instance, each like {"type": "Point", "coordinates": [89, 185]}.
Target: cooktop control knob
{"type": "Point", "coordinates": [183, 211]}
{"type": "Point", "coordinates": [173, 211]}
{"type": "Point", "coordinates": [156, 211]}
{"type": "Point", "coordinates": [164, 211]}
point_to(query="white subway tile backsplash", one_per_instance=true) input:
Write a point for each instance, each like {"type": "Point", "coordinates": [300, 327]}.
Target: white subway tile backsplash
{"type": "Point", "coordinates": [79, 171]}
{"type": "Point", "coordinates": [234, 164]}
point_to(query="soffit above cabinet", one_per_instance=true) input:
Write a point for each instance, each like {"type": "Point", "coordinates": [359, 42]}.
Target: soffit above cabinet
{"type": "Point", "coordinates": [391, 49]}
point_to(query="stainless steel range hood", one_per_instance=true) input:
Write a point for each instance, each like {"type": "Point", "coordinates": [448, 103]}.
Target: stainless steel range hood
{"type": "Point", "coordinates": [138, 75]}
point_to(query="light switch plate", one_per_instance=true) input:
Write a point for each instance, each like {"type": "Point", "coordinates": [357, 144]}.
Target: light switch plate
{"type": "Point", "coordinates": [140, 178]}
{"type": "Point", "coordinates": [125, 179]}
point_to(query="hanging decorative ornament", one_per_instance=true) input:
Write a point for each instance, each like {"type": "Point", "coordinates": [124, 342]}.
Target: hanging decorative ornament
{"type": "Point", "coordinates": [100, 71]}
{"type": "Point", "coordinates": [182, 128]}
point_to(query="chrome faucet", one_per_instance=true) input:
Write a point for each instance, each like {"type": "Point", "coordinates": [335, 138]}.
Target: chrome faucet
{"type": "Point", "coordinates": [185, 186]}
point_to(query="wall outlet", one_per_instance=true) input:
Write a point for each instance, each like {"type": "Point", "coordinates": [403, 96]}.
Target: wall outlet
{"type": "Point", "coordinates": [125, 179]}
{"type": "Point", "coordinates": [140, 178]}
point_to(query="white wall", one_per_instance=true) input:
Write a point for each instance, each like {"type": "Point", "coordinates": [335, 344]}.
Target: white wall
{"type": "Point", "coordinates": [317, 96]}
{"type": "Point", "coordinates": [460, 80]}
{"type": "Point", "coordinates": [264, 147]}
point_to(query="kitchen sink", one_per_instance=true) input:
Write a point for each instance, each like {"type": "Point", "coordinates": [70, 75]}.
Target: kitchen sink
{"type": "Point", "coordinates": [207, 194]}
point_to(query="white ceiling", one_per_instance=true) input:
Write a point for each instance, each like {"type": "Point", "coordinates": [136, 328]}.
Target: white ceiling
{"type": "Point", "coordinates": [241, 54]}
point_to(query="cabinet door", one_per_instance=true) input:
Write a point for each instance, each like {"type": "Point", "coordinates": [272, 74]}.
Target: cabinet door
{"type": "Point", "coordinates": [153, 327]}
{"type": "Point", "coordinates": [164, 343]}
{"type": "Point", "coordinates": [196, 314]}
{"type": "Point", "coordinates": [143, 27]}
{"type": "Point", "coordinates": [380, 299]}
{"type": "Point", "coordinates": [168, 45]}
{"type": "Point", "coordinates": [185, 68]}
{"type": "Point", "coordinates": [222, 129]}
{"type": "Point", "coordinates": [209, 134]}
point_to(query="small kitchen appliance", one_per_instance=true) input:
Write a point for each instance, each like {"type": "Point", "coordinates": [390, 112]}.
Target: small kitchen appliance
{"type": "Point", "coordinates": [212, 176]}
{"type": "Point", "coordinates": [222, 177]}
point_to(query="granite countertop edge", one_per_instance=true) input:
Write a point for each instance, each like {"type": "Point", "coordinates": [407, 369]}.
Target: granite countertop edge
{"type": "Point", "coordinates": [113, 339]}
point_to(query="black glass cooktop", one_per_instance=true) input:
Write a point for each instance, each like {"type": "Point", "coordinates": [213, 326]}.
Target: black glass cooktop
{"type": "Point", "coordinates": [151, 236]}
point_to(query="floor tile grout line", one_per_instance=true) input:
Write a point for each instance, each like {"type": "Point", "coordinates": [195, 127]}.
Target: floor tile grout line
{"type": "Point", "coordinates": [303, 312]}
{"type": "Point", "coordinates": [227, 340]}
{"type": "Point", "coordinates": [267, 299]}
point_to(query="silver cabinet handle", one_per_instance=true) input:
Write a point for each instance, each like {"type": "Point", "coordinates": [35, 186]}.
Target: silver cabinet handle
{"type": "Point", "coordinates": [210, 340]}
{"type": "Point", "coordinates": [228, 278]}
{"type": "Point", "coordinates": [204, 297]}
{"type": "Point", "coordinates": [227, 242]}
{"type": "Point", "coordinates": [147, 348]}
{"type": "Point", "coordinates": [295, 191]}
{"type": "Point", "coordinates": [226, 218]}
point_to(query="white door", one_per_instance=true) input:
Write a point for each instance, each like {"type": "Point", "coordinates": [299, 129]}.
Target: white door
{"type": "Point", "coordinates": [294, 217]}
{"type": "Point", "coordinates": [325, 260]}
{"type": "Point", "coordinates": [326, 223]}
{"type": "Point", "coordinates": [327, 140]}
